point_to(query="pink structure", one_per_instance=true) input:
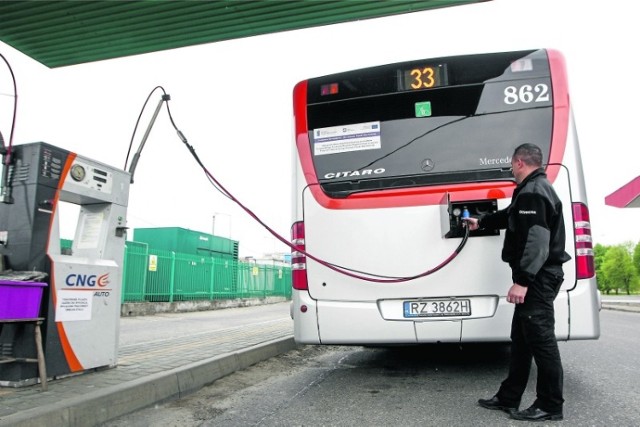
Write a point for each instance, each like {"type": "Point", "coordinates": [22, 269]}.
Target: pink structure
{"type": "Point", "coordinates": [627, 196]}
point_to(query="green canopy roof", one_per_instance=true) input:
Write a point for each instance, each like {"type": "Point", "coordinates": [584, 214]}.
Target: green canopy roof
{"type": "Point", "coordinates": [61, 33]}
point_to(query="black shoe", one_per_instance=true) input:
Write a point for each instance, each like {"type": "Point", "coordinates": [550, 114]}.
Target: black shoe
{"type": "Point", "coordinates": [536, 414]}
{"type": "Point", "coordinates": [494, 403]}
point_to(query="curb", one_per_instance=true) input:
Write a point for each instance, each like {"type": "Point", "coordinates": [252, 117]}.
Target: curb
{"type": "Point", "coordinates": [112, 402]}
{"type": "Point", "coordinates": [628, 307]}
{"type": "Point", "coordinates": [131, 309]}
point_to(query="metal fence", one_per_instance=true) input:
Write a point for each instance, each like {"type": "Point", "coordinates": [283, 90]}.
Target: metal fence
{"type": "Point", "coordinates": [167, 276]}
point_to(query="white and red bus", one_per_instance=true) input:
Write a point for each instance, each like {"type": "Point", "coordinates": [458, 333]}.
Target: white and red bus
{"type": "Point", "coordinates": [386, 160]}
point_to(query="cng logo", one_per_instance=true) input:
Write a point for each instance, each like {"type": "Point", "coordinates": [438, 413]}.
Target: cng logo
{"type": "Point", "coordinates": [83, 280]}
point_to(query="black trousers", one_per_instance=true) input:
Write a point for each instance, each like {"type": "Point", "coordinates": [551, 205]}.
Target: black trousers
{"type": "Point", "coordinates": [533, 338]}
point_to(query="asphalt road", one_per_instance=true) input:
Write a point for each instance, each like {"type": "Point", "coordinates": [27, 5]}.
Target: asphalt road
{"type": "Point", "coordinates": [427, 385]}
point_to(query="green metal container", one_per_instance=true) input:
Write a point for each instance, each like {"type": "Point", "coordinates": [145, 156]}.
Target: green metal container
{"type": "Point", "coordinates": [187, 241]}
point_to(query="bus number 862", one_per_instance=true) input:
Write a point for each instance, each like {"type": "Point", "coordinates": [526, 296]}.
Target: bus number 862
{"type": "Point", "coordinates": [526, 94]}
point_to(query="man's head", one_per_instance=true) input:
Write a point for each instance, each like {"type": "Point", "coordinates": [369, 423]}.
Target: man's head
{"type": "Point", "coordinates": [526, 158]}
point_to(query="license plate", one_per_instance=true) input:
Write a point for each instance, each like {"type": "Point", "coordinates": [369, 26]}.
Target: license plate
{"type": "Point", "coordinates": [437, 308]}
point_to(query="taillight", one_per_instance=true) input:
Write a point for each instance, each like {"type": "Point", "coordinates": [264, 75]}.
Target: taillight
{"type": "Point", "coordinates": [584, 243]}
{"type": "Point", "coordinates": [298, 260]}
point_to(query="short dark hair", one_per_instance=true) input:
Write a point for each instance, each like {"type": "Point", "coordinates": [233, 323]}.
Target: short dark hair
{"type": "Point", "coordinates": [530, 154]}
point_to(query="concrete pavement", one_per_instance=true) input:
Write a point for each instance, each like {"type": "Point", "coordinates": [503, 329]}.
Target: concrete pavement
{"type": "Point", "coordinates": [160, 358]}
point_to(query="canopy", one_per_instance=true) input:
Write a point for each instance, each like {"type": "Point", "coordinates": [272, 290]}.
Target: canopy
{"type": "Point", "coordinates": [627, 196]}
{"type": "Point", "coordinates": [61, 33]}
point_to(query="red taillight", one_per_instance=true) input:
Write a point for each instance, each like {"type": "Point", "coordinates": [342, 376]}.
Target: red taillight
{"type": "Point", "coordinates": [584, 243]}
{"type": "Point", "coordinates": [298, 260]}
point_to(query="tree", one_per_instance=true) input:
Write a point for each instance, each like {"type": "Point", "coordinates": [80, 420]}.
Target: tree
{"type": "Point", "coordinates": [636, 257]}
{"type": "Point", "coordinates": [599, 252]}
{"type": "Point", "coordinates": [619, 271]}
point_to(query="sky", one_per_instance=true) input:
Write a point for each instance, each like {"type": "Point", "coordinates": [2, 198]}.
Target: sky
{"type": "Point", "coordinates": [233, 102]}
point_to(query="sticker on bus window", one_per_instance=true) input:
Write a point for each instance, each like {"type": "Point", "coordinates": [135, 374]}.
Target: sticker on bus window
{"type": "Point", "coordinates": [523, 64]}
{"type": "Point", "coordinates": [342, 139]}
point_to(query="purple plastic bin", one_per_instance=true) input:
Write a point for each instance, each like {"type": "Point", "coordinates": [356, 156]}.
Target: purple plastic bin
{"type": "Point", "coordinates": [20, 300]}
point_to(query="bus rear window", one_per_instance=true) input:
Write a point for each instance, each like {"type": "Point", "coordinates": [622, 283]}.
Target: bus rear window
{"type": "Point", "coordinates": [442, 136]}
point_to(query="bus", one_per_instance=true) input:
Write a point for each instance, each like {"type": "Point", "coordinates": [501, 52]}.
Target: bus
{"type": "Point", "coordinates": [387, 160]}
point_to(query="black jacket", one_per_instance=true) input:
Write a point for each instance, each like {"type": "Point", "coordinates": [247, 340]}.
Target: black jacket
{"type": "Point", "coordinates": [534, 224]}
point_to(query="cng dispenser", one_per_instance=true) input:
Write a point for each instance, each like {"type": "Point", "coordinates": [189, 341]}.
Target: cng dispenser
{"type": "Point", "coordinates": [81, 304]}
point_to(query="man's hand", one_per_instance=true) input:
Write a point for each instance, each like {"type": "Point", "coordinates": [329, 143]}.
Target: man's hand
{"type": "Point", "coordinates": [516, 294]}
{"type": "Point", "coordinates": [471, 222]}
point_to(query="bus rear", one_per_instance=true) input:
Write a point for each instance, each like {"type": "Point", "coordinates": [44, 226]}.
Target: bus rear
{"type": "Point", "coordinates": [386, 161]}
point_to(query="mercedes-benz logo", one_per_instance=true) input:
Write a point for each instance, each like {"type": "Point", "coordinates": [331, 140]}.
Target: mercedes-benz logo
{"type": "Point", "coordinates": [427, 165]}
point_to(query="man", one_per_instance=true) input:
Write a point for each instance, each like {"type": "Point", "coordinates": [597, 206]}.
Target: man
{"type": "Point", "coordinates": [534, 249]}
